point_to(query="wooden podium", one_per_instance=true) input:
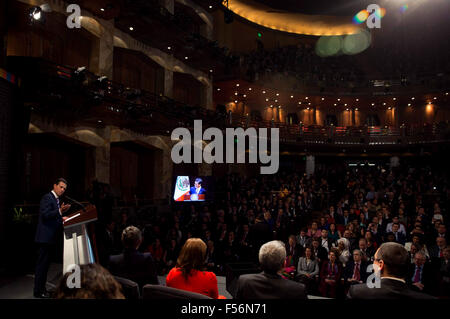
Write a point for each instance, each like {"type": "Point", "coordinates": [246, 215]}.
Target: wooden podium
{"type": "Point", "coordinates": [77, 245]}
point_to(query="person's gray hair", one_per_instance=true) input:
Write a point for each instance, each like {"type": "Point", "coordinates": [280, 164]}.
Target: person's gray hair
{"type": "Point", "coordinates": [420, 253]}
{"type": "Point", "coordinates": [131, 237]}
{"type": "Point", "coordinates": [359, 251]}
{"type": "Point", "coordinates": [272, 256]}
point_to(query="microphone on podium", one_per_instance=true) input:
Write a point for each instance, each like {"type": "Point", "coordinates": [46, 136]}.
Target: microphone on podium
{"type": "Point", "coordinates": [76, 202]}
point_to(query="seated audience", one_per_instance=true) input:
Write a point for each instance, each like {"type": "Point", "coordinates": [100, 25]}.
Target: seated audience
{"type": "Point", "coordinates": [330, 275]}
{"type": "Point", "coordinates": [437, 251]}
{"type": "Point", "coordinates": [343, 250]}
{"type": "Point", "coordinates": [391, 262]}
{"type": "Point", "coordinates": [95, 283]}
{"type": "Point", "coordinates": [307, 269]}
{"type": "Point", "coordinates": [189, 273]}
{"type": "Point", "coordinates": [420, 275]}
{"type": "Point", "coordinates": [132, 264]}
{"type": "Point", "coordinates": [269, 284]}
{"type": "Point", "coordinates": [444, 274]}
{"type": "Point", "coordinates": [355, 272]}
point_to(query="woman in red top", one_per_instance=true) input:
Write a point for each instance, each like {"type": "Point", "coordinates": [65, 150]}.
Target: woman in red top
{"type": "Point", "coordinates": [189, 273]}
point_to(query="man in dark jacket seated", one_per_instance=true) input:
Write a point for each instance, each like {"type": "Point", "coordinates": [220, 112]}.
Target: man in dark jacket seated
{"type": "Point", "coordinates": [391, 263]}
{"type": "Point", "coordinates": [355, 272]}
{"type": "Point", "coordinates": [269, 284]}
{"type": "Point", "coordinates": [132, 264]}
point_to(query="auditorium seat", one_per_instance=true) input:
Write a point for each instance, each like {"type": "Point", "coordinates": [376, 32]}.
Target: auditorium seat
{"type": "Point", "coordinates": [130, 288]}
{"type": "Point", "coordinates": [163, 292]}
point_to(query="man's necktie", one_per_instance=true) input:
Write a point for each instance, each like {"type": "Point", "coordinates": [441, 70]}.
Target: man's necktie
{"type": "Point", "coordinates": [417, 275]}
{"type": "Point", "coordinates": [357, 272]}
{"type": "Point", "coordinates": [57, 201]}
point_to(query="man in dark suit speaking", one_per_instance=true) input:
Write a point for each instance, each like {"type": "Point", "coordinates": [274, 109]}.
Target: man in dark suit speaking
{"type": "Point", "coordinates": [197, 189]}
{"type": "Point", "coordinates": [269, 284]}
{"type": "Point", "coordinates": [392, 261]}
{"type": "Point", "coordinates": [49, 225]}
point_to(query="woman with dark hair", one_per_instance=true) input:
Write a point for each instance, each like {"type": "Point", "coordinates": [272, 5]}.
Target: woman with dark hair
{"type": "Point", "coordinates": [189, 273]}
{"type": "Point", "coordinates": [330, 275]}
{"type": "Point", "coordinates": [95, 283]}
{"type": "Point", "coordinates": [334, 234]}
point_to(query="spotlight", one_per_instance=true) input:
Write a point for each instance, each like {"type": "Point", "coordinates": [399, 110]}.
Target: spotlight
{"type": "Point", "coordinates": [80, 69]}
{"type": "Point", "coordinates": [249, 89]}
{"type": "Point", "coordinates": [169, 48]}
{"type": "Point", "coordinates": [35, 14]}
{"type": "Point", "coordinates": [102, 9]}
{"type": "Point", "coordinates": [131, 28]}
{"type": "Point", "coordinates": [186, 58]}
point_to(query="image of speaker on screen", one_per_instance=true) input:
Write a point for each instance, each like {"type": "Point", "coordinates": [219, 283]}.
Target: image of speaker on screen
{"type": "Point", "coordinates": [197, 190]}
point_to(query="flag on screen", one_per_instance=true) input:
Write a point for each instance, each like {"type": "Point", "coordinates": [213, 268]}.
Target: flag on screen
{"type": "Point", "coordinates": [181, 188]}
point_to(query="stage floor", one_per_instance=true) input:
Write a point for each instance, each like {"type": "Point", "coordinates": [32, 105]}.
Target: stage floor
{"type": "Point", "coordinates": [22, 287]}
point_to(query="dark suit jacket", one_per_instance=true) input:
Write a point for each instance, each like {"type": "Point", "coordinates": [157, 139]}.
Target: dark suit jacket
{"type": "Point", "coordinates": [428, 277]}
{"type": "Point", "coordinates": [268, 286]}
{"type": "Point", "coordinates": [390, 289]}
{"type": "Point", "coordinates": [322, 254]}
{"type": "Point", "coordinates": [50, 220]}
{"type": "Point", "coordinates": [193, 191]}
{"type": "Point", "coordinates": [259, 234]}
{"type": "Point", "coordinates": [349, 268]}
{"type": "Point", "coordinates": [298, 252]}
{"type": "Point", "coordinates": [401, 239]}
{"type": "Point", "coordinates": [134, 265]}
